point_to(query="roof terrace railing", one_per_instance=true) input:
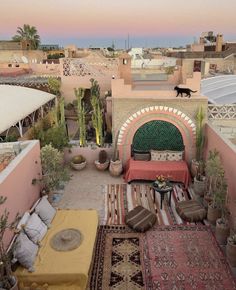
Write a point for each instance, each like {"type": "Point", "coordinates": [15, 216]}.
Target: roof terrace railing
{"type": "Point", "coordinates": [220, 112]}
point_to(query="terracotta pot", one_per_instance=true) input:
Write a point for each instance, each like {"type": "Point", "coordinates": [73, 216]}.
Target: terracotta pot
{"type": "Point", "coordinates": [78, 166]}
{"type": "Point", "coordinates": [222, 232]}
{"type": "Point", "coordinates": [213, 214]}
{"type": "Point", "coordinates": [199, 186]}
{"type": "Point", "coordinates": [231, 253]}
{"type": "Point", "coordinates": [115, 167]}
{"type": "Point", "coordinates": [101, 166]}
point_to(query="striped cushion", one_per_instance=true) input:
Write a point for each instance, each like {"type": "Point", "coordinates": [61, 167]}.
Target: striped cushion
{"type": "Point", "coordinates": [140, 219]}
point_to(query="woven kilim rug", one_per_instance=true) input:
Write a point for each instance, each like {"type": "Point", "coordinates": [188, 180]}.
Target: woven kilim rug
{"type": "Point", "coordinates": [118, 260]}
{"type": "Point", "coordinates": [121, 198]}
{"type": "Point", "coordinates": [185, 257]}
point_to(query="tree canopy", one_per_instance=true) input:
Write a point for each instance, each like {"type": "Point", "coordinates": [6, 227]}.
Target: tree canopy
{"type": "Point", "coordinates": [28, 33]}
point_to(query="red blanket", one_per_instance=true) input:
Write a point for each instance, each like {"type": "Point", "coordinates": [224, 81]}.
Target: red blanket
{"type": "Point", "coordinates": [148, 170]}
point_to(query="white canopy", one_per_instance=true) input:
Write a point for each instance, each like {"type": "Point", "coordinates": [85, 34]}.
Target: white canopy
{"type": "Point", "coordinates": [220, 89]}
{"type": "Point", "coordinates": [17, 102]}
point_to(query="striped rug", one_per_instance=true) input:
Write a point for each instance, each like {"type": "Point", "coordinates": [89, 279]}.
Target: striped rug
{"type": "Point", "coordinates": [121, 198]}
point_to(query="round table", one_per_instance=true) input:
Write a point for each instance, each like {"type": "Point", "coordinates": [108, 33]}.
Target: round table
{"type": "Point", "coordinates": [162, 191]}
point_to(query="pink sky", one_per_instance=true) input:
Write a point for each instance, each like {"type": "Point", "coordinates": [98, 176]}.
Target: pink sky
{"type": "Point", "coordinates": [116, 18]}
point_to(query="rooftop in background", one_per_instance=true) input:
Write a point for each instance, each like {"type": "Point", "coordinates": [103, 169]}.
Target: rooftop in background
{"type": "Point", "coordinates": [220, 89]}
{"type": "Point", "coordinates": [18, 102]}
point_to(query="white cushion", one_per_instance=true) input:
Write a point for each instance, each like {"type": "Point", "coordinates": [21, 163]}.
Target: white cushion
{"type": "Point", "coordinates": [158, 155]}
{"type": "Point", "coordinates": [25, 251]}
{"type": "Point", "coordinates": [35, 228]}
{"type": "Point", "coordinates": [23, 220]}
{"type": "Point", "coordinates": [45, 211]}
{"type": "Point", "coordinates": [174, 155]}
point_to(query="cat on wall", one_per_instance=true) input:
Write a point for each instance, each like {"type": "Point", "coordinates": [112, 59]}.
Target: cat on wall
{"type": "Point", "coordinates": [182, 91]}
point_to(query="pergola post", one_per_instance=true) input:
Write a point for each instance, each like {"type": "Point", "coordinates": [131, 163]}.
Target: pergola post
{"type": "Point", "coordinates": [20, 129]}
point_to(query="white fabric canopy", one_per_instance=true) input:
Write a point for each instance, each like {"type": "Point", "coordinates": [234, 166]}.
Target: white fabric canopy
{"type": "Point", "coordinates": [17, 102]}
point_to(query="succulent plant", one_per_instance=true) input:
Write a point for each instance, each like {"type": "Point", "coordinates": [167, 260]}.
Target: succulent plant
{"type": "Point", "coordinates": [78, 159]}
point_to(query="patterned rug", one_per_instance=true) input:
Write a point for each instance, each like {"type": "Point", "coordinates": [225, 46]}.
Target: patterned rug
{"type": "Point", "coordinates": [118, 260]}
{"type": "Point", "coordinates": [185, 257]}
{"type": "Point", "coordinates": [120, 198]}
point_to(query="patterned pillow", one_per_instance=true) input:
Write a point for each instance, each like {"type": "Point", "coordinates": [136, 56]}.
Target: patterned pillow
{"type": "Point", "coordinates": [35, 228]}
{"type": "Point", "coordinates": [142, 156]}
{"type": "Point", "coordinates": [158, 155]}
{"type": "Point", "coordinates": [174, 155]}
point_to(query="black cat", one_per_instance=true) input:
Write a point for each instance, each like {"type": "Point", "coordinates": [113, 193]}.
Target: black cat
{"type": "Point", "coordinates": [182, 91]}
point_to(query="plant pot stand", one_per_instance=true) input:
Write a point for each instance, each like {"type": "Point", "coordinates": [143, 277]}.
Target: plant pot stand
{"type": "Point", "coordinates": [213, 214]}
{"type": "Point", "coordinates": [115, 168]}
{"type": "Point", "coordinates": [199, 186]}
{"type": "Point", "coordinates": [231, 254]}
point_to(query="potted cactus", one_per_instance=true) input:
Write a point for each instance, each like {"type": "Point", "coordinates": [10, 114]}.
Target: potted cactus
{"type": "Point", "coordinates": [231, 250]}
{"type": "Point", "coordinates": [115, 167]}
{"type": "Point", "coordinates": [78, 162]}
{"type": "Point", "coordinates": [103, 162]}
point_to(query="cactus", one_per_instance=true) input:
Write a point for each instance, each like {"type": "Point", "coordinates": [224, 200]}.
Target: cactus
{"type": "Point", "coordinates": [199, 134]}
{"type": "Point", "coordinates": [81, 116]}
{"type": "Point", "coordinates": [116, 152]}
{"type": "Point", "coordinates": [97, 117]}
{"type": "Point", "coordinates": [102, 156]}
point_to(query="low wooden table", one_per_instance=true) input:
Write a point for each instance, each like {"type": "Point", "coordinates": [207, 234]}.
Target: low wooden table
{"type": "Point", "coordinates": [162, 191]}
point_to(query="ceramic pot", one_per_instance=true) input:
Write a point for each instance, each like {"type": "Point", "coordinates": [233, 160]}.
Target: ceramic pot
{"type": "Point", "coordinates": [222, 232]}
{"type": "Point", "coordinates": [199, 186]}
{"type": "Point", "coordinates": [101, 166]}
{"type": "Point", "coordinates": [78, 166]}
{"type": "Point", "coordinates": [231, 253]}
{"type": "Point", "coordinates": [213, 214]}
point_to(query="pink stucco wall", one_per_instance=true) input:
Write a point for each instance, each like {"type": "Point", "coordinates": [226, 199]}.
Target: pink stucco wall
{"type": "Point", "coordinates": [16, 182]}
{"type": "Point", "coordinates": [228, 158]}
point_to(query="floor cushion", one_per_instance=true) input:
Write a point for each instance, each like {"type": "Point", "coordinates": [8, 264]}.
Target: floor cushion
{"type": "Point", "coordinates": [191, 210]}
{"type": "Point", "coordinates": [140, 219]}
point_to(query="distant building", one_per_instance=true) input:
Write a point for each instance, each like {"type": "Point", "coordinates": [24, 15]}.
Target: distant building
{"type": "Point", "coordinates": [14, 45]}
{"type": "Point", "coordinates": [47, 47]}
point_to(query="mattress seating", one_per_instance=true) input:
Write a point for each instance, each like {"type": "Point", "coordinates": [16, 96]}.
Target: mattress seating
{"type": "Point", "coordinates": [63, 269]}
{"type": "Point", "coordinates": [148, 170]}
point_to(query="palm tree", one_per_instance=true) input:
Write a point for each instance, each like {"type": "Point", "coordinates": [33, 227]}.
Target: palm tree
{"type": "Point", "coordinates": [28, 33]}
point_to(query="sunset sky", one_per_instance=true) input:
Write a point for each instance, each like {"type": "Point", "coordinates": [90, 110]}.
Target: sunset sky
{"type": "Point", "coordinates": [99, 22]}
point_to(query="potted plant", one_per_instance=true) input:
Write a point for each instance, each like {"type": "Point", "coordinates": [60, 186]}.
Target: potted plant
{"type": "Point", "coordinates": [200, 140]}
{"type": "Point", "coordinates": [222, 230]}
{"type": "Point", "coordinates": [115, 167]}
{"type": "Point", "coordinates": [199, 184]}
{"type": "Point", "coordinates": [78, 162]}
{"type": "Point", "coordinates": [231, 250]}
{"type": "Point", "coordinates": [7, 279]}
{"type": "Point", "coordinates": [103, 162]}
{"type": "Point", "coordinates": [53, 170]}
{"type": "Point", "coordinates": [217, 186]}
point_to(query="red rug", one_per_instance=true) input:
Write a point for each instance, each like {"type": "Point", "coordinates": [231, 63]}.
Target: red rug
{"type": "Point", "coordinates": [121, 198]}
{"type": "Point", "coordinates": [185, 258]}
